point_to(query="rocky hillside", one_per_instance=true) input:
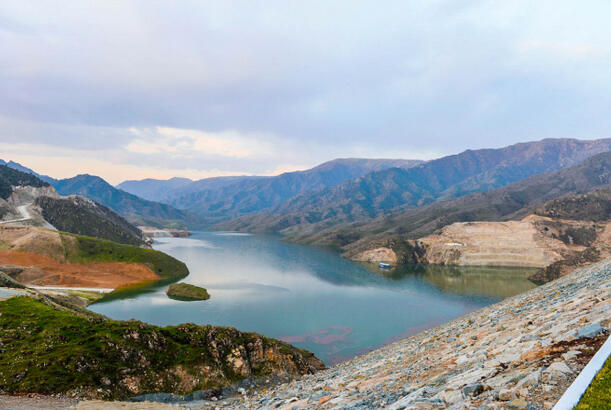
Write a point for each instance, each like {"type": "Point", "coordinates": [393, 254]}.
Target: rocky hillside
{"type": "Point", "coordinates": [82, 216]}
{"type": "Point", "coordinates": [27, 200]}
{"type": "Point", "coordinates": [520, 353]}
{"type": "Point", "coordinates": [384, 191]}
{"type": "Point", "coordinates": [136, 210]}
{"type": "Point", "coordinates": [48, 348]}
{"type": "Point", "coordinates": [11, 180]}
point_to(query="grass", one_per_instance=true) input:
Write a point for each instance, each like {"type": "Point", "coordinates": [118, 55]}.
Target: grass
{"type": "Point", "coordinates": [89, 296]}
{"type": "Point", "coordinates": [86, 249]}
{"type": "Point", "coordinates": [598, 394]}
{"type": "Point", "coordinates": [187, 292]}
{"type": "Point", "coordinates": [47, 349]}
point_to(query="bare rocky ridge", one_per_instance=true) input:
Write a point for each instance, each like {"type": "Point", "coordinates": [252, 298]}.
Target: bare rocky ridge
{"type": "Point", "coordinates": [535, 241]}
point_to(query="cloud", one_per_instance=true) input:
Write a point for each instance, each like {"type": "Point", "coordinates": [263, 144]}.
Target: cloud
{"type": "Point", "coordinates": [191, 143]}
{"type": "Point", "coordinates": [192, 87]}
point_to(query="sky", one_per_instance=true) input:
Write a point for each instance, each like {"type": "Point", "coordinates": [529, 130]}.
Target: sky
{"type": "Point", "coordinates": [156, 89]}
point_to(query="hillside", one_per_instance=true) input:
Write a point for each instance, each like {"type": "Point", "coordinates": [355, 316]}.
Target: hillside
{"type": "Point", "coordinates": [10, 178]}
{"type": "Point", "coordinates": [17, 166]}
{"type": "Point", "coordinates": [27, 200]}
{"type": "Point", "coordinates": [254, 194]}
{"type": "Point", "coordinates": [82, 216]}
{"type": "Point", "coordinates": [382, 192]}
{"type": "Point", "coordinates": [86, 355]}
{"type": "Point", "coordinates": [49, 257]}
{"type": "Point", "coordinates": [136, 210]}
{"type": "Point", "coordinates": [511, 202]}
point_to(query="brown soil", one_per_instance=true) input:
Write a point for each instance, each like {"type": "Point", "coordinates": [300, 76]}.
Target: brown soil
{"type": "Point", "coordinates": [46, 271]}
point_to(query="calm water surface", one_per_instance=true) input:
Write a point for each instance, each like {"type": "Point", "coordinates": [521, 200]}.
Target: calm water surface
{"type": "Point", "coordinates": [310, 297]}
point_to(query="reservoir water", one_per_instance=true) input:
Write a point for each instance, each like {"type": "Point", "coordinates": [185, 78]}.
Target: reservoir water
{"type": "Point", "coordinates": [310, 297]}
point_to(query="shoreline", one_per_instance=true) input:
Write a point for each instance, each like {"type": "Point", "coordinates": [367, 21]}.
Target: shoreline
{"type": "Point", "coordinates": [529, 354]}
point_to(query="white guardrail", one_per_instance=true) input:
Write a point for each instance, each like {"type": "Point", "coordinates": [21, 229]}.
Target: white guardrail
{"type": "Point", "coordinates": [571, 396]}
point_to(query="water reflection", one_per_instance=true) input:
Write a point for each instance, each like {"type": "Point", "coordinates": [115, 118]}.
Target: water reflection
{"type": "Point", "coordinates": [491, 281]}
{"type": "Point", "coordinates": [311, 297]}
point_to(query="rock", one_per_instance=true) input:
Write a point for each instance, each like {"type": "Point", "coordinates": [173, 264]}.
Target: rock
{"type": "Point", "coordinates": [590, 331]}
{"type": "Point", "coordinates": [506, 395]}
{"type": "Point", "coordinates": [473, 389]}
{"type": "Point", "coordinates": [324, 399]}
{"type": "Point", "coordinates": [558, 370]}
{"type": "Point", "coordinates": [450, 396]}
{"type": "Point", "coordinates": [531, 380]}
{"type": "Point", "coordinates": [570, 354]}
{"type": "Point", "coordinates": [517, 404]}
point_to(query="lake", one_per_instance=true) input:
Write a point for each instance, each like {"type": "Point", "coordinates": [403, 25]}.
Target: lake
{"type": "Point", "coordinates": [310, 297]}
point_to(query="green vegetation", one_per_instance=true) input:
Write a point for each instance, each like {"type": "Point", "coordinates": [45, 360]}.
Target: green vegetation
{"type": "Point", "coordinates": [187, 292]}
{"type": "Point", "coordinates": [85, 249]}
{"type": "Point", "coordinates": [50, 349]}
{"type": "Point", "coordinates": [598, 394]}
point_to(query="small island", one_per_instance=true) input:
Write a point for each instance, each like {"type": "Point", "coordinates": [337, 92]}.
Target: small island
{"type": "Point", "coordinates": [186, 292]}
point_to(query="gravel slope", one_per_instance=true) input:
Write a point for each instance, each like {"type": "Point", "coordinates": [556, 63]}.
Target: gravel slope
{"type": "Point", "coordinates": [524, 351]}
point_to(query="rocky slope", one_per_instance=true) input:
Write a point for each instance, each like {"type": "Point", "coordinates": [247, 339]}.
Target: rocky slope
{"type": "Point", "coordinates": [381, 192]}
{"type": "Point", "coordinates": [50, 348]}
{"type": "Point", "coordinates": [520, 353]}
{"type": "Point", "coordinates": [27, 200]}
{"type": "Point", "coordinates": [82, 216]}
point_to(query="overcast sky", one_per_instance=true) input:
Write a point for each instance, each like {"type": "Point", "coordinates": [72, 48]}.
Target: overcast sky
{"type": "Point", "coordinates": [130, 89]}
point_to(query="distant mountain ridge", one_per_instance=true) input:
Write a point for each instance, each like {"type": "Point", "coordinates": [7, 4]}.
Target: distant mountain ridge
{"type": "Point", "coordinates": [135, 209]}
{"type": "Point", "coordinates": [166, 191]}
{"type": "Point", "coordinates": [253, 194]}
{"type": "Point", "coordinates": [385, 191]}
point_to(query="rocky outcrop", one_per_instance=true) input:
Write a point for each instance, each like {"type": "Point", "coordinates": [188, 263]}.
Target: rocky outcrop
{"type": "Point", "coordinates": [521, 353]}
{"type": "Point", "coordinates": [112, 359]}
{"type": "Point", "coordinates": [377, 255]}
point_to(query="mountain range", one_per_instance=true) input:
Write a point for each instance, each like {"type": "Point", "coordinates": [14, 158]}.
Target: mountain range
{"type": "Point", "coordinates": [385, 191]}
{"type": "Point", "coordinates": [305, 205]}
{"type": "Point", "coordinates": [135, 209]}
{"type": "Point", "coordinates": [510, 202]}
{"type": "Point", "coordinates": [224, 198]}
